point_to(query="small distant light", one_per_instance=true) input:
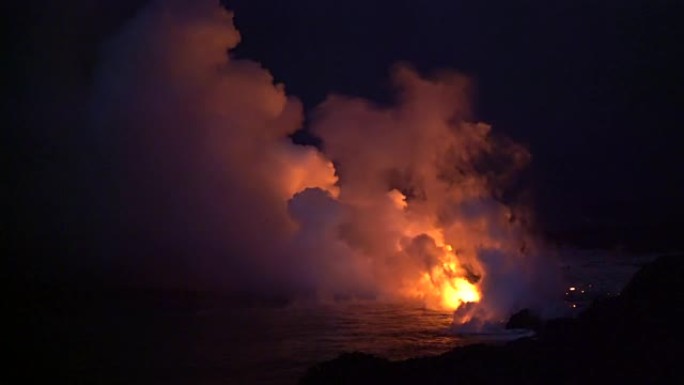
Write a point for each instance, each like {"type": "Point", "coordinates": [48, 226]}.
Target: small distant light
{"type": "Point", "coordinates": [572, 288]}
{"type": "Point", "coordinates": [582, 291]}
{"type": "Point", "coordinates": [574, 306]}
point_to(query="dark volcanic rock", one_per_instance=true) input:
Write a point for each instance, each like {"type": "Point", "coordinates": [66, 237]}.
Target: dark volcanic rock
{"type": "Point", "coordinates": [350, 368]}
{"type": "Point", "coordinates": [632, 338]}
{"type": "Point", "coordinates": [524, 319]}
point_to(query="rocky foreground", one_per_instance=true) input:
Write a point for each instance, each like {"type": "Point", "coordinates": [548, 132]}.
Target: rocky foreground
{"type": "Point", "coordinates": [632, 338]}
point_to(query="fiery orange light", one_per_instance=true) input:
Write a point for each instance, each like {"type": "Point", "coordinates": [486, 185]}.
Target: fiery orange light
{"type": "Point", "coordinates": [444, 286]}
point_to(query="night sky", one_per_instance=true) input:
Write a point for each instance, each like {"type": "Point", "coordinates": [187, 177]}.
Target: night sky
{"type": "Point", "coordinates": [592, 88]}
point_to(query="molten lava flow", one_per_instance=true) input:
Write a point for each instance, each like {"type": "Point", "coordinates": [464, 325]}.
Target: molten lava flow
{"type": "Point", "coordinates": [444, 286]}
{"type": "Point", "coordinates": [437, 277]}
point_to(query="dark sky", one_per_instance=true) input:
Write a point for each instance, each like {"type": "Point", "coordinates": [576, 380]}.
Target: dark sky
{"type": "Point", "coordinates": [592, 88]}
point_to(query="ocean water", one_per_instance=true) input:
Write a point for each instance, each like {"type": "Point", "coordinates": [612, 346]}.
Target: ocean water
{"type": "Point", "coordinates": [276, 345]}
{"type": "Point", "coordinates": [214, 342]}
{"type": "Point", "coordinates": [168, 338]}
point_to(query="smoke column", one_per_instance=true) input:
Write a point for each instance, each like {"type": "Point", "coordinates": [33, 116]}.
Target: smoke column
{"type": "Point", "coordinates": [400, 203]}
{"type": "Point", "coordinates": [201, 141]}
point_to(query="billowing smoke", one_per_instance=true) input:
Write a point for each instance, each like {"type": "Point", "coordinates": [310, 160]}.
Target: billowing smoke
{"type": "Point", "coordinates": [401, 202]}
{"type": "Point", "coordinates": [205, 163]}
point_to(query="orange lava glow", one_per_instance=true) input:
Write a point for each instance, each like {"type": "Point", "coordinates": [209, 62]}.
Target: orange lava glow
{"type": "Point", "coordinates": [444, 286]}
{"type": "Point", "coordinates": [398, 203]}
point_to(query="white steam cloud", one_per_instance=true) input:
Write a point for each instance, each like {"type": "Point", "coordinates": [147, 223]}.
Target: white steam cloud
{"type": "Point", "coordinates": [214, 194]}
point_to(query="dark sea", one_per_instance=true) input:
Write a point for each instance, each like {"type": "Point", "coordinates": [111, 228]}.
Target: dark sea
{"type": "Point", "coordinates": [173, 338]}
{"type": "Point", "coordinates": [167, 340]}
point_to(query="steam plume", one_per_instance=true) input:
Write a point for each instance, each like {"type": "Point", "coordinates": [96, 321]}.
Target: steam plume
{"type": "Point", "coordinates": [401, 202]}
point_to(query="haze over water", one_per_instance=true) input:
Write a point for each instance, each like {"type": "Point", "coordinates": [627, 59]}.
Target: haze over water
{"type": "Point", "coordinates": [181, 338]}
{"type": "Point", "coordinates": [178, 339]}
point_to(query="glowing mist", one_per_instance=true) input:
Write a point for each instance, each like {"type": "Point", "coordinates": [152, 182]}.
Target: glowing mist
{"type": "Point", "coordinates": [401, 203]}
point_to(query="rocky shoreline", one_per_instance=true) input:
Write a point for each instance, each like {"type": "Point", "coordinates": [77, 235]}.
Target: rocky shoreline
{"type": "Point", "coordinates": [630, 338]}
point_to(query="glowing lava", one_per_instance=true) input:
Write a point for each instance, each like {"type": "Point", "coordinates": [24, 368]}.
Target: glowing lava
{"type": "Point", "coordinates": [445, 286]}
{"type": "Point", "coordinates": [441, 282]}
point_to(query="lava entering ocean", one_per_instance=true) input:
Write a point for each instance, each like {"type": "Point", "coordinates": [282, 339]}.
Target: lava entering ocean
{"type": "Point", "coordinates": [400, 202]}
